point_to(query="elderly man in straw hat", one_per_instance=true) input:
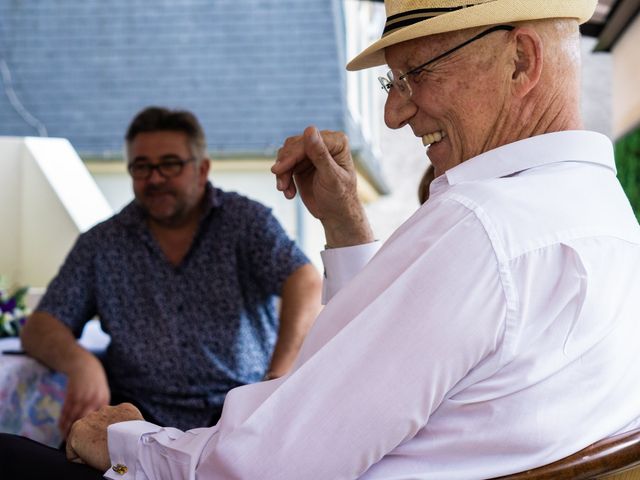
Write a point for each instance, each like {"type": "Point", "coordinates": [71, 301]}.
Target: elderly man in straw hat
{"type": "Point", "coordinates": [495, 331]}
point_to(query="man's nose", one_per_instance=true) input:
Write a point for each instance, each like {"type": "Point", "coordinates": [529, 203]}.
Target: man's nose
{"type": "Point", "coordinates": [398, 110]}
{"type": "Point", "coordinates": [155, 176]}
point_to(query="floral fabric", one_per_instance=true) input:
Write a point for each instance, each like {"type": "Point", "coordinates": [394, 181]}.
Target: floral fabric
{"type": "Point", "coordinates": [13, 311]}
{"type": "Point", "coordinates": [31, 398]}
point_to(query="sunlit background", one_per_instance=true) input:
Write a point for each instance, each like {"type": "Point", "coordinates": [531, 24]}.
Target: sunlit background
{"type": "Point", "coordinates": [254, 72]}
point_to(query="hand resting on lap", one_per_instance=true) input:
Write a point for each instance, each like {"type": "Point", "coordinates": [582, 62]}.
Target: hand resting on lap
{"type": "Point", "coordinates": [87, 440]}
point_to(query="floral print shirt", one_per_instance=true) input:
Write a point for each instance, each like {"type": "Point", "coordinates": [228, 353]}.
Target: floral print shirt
{"type": "Point", "coordinates": [181, 337]}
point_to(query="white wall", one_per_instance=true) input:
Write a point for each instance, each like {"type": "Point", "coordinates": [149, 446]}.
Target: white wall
{"type": "Point", "coordinates": [47, 198]}
{"type": "Point", "coordinates": [626, 81]}
{"type": "Point", "coordinates": [365, 98]}
{"type": "Point", "coordinates": [597, 80]}
{"type": "Point", "coordinates": [10, 205]}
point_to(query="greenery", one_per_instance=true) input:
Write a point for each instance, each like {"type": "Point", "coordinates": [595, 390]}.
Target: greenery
{"type": "Point", "coordinates": [13, 310]}
{"type": "Point", "coordinates": [628, 163]}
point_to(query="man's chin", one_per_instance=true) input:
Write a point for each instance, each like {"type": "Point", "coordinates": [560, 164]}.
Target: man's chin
{"type": "Point", "coordinates": [165, 218]}
{"type": "Point", "coordinates": [158, 207]}
{"type": "Point", "coordinates": [158, 211]}
{"type": "Point", "coordinates": [440, 151]}
{"type": "Point", "coordinates": [173, 218]}
{"type": "Point", "coordinates": [442, 156]}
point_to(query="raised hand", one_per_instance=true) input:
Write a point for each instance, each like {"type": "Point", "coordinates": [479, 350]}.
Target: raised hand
{"type": "Point", "coordinates": [318, 166]}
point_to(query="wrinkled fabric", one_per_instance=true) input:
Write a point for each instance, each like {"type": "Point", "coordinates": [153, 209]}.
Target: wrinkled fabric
{"type": "Point", "coordinates": [495, 331]}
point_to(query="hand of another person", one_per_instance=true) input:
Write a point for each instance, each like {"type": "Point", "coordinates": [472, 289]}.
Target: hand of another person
{"type": "Point", "coordinates": [87, 440]}
{"type": "Point", "coordinates": [319, 166]}
{"type": "Point", "coordinates": [87, 391]}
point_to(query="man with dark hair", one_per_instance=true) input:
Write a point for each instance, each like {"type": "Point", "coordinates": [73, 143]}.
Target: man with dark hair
{"type": "Point", "coordinates": [158, 119]}
{"type": "Point", "coordinates": [184, 280]}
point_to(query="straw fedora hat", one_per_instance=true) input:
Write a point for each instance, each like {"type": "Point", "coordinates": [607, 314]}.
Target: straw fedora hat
{"type": "Point", "coordinates": [409, 19]}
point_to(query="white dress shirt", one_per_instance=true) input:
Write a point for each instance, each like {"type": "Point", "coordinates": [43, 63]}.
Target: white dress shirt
{"type": "Point", "coordinates": [495, 331]}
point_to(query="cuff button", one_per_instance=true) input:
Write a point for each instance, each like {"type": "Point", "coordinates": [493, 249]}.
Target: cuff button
{"type": "Point", "coordinates": [119, 469]}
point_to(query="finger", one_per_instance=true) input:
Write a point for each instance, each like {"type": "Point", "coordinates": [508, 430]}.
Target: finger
{"type": "Point", "coordinates": [316, 150]}
{"type": "Point", "coordinates": [72, 455]}
{"type": "Point", "coordinates": [338, 145]}
{"type": "Point", "coordinates": [291, 152]}
{"type": "Point", "coordinates": [69, 450]}
{"type": "Point", "coordinates": [284, 181]}
{"type": "Point", "coordinates": [129, 409]}
{"type": "Point", "coordinates": [290, 191]}
{"type": "Point", "coordinates": [288, 157]}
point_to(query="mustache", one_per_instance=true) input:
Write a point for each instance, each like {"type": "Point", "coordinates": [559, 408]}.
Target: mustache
{"type": "Point", "coordinates": [156, 189]}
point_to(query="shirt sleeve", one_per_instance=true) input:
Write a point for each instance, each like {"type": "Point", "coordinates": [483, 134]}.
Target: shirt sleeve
{"type": "Point", "coordinates": [130, 444]}
{"type": "Point", "coordinates": [382, 356]}
{"type": "Point", "coordinates": [341, 265]}
{"type": "Point", "coordinates": [70, 297]}
{"type": "Point", "coordinates": [273, 256]}
{"type": "Point", "coordinates": [123, 439]}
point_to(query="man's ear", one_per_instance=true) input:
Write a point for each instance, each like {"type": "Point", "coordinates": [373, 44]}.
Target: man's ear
{"type": "Point", "coordinates": [527, 62]}
{"type": "Point", "coordinates": [205, 164]}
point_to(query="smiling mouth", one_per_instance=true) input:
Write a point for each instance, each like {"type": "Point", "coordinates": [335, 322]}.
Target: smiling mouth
{"type": "Point", "coordinates": [434, 137]}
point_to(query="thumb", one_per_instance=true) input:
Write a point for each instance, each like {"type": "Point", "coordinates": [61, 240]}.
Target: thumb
{"type": "Point", "coordinates": [71, 453]}
{"type": "Point", "coordinates": [317, 151]}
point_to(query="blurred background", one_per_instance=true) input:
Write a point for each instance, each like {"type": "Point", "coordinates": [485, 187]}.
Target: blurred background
{"type": "Point", "coordinates": [254, 72]}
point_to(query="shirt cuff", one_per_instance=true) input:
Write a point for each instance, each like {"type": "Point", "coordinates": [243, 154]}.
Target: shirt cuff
{"type": "Point", "coordinates": [123, 440]}
{"type": "Point", "coordinates": [342, 264]}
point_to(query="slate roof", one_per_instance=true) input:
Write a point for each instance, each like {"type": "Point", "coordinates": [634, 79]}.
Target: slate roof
{"type": "Point", "coordinates": [253, 71]}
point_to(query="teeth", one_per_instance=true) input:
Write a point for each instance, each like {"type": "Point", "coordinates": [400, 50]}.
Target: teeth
{"type": "Point", "coordinates": [431, 138]}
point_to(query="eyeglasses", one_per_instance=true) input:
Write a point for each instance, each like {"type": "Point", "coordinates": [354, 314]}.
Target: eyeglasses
{"type": "Point", "coordinates": [399, 81]}
{"type": "Point", "coordinates": [168, 167]}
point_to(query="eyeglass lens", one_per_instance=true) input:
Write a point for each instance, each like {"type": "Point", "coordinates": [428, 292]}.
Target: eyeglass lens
{"type": "Point", "coordinates": [166, 168]}
{"type": "Point", "coordinates": [395, 79]}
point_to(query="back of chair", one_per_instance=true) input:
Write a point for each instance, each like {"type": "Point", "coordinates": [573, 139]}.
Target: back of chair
{"type": "Point", "coordinates": [614, 458]}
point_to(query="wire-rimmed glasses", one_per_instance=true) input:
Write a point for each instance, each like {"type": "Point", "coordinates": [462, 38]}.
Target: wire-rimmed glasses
{"type": "Point", "coordinates": [399, 80]}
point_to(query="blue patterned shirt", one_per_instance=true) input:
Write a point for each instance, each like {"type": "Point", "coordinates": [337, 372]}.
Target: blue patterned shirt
{"type": "Point", "coordinates": [181, 337]}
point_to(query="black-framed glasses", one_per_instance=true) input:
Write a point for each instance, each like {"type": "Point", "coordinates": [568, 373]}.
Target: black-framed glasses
{"type": "Point", "coordinates": [399, 81]}
{"type": "Point", "coordinates": [169, 167]}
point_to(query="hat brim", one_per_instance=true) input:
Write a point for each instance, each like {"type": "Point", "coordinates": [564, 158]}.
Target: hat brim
{"type": "Point", "coordinates": [489, 13]}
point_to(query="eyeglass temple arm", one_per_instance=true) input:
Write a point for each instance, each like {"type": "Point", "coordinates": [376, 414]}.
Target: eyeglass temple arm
{"type": "Point", "coordinates": [497, 28]}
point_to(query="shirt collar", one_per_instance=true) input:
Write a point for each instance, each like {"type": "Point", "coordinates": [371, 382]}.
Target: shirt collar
{"type": "Point", "coordinates": [567, 146]}
{"type": "Point", "coordinates": [212, 198]}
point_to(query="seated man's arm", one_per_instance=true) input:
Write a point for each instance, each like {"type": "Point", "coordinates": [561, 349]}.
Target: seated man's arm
{"type": "Point", "coordinates": [112, 438]}
{"type": "Point", "coordinates": [342, 264]}
{"type": "Point", "coordinates": [374, 368]}
{"type": "Point", "coordinates": [48, 340]}
{"type": "Point", "coordinates": [299, 307]}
